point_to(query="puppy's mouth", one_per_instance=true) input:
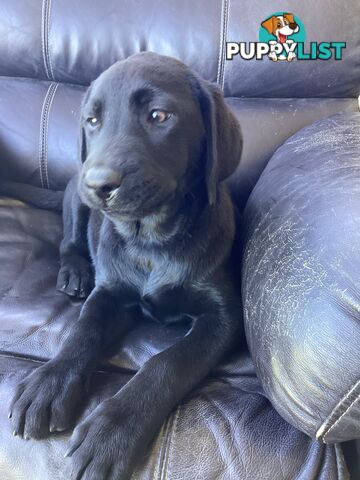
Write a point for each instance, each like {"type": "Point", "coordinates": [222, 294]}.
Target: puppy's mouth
{"type": "Point", "coordinates": [149, 206]}
{"type": "Point", "coordinates": [111, 196]}
{"type": "Point", "coordinates": [119, 203]}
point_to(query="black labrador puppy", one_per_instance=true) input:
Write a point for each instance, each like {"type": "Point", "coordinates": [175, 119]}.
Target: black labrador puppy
{"type": "Point", "coordinates": [149, 211]}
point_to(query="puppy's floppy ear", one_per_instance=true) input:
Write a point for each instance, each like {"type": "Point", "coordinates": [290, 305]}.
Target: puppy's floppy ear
{"type": "Point", "coordinates": [83, 146]}
{"type": "Point", "coordinates": [223, 136]}
{"type": "Point", "coordinates": [269, 24]}
{"type": "Point", "coordinates": [82, 139]}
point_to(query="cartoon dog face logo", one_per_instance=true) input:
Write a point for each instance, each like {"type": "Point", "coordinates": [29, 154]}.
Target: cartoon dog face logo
{"type": "Point", "coordinates": [281, 27]}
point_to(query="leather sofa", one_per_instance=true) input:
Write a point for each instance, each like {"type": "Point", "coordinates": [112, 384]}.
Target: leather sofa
{"type": "Point", "coordinates": [286, 406]}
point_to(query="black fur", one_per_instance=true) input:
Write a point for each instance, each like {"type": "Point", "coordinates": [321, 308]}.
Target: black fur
{"type": "Point", "coordinates": [161, 238]}
{"type": "Point", "coordinates": [38, 197]}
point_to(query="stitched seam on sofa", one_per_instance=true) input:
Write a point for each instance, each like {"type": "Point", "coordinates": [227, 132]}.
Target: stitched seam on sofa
{"type": "Point", "coordinates": [340, 410]}
{"type": "Point", "coordinates": [224, 44]}
{"type": "Point", "coordinates": [357, 398]}
{"type": "Point", "coordinates": [223, 34]}
{"type": "Point", "coordinates": [171, 442]}
{"type": "Point", "coordinates": [43, 35]}
{"type": "Point", "coordinates": [40, 140]}
{"type": "Point", "coordinates": [48, 41]}
{"type": "Point", "coordinates": [45, 29]}
{"type": "Point", "coordinates": [163, 441]}
{"type": "Point", "coordinates": [46, 159]}
{"type": "Point", "coordinates": [43, 139]}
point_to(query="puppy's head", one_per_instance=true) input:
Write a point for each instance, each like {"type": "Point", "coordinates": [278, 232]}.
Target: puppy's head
{"type": "Point", "coordinates": [152, 129]}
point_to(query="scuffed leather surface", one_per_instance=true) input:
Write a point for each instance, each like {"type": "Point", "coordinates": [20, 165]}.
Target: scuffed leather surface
{"type": "Point", "coordinates": [301, 279]}
{"type": "Point", "coordinates": [265, 123]}
{"type": "Point", "coordinates": [73, 42]}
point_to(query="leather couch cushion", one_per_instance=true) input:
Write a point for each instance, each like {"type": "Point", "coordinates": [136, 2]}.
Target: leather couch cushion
{"type": "Point", "coordinates": [39, 131]}
{"type": "Point", "coordinates": [223, 430]}
{"type": "Point", "coordinates": [73, 42]}
{"type": "Point", "coordinates": [301, 279]}
{"type": "Point", "coordinates": [39, 127]}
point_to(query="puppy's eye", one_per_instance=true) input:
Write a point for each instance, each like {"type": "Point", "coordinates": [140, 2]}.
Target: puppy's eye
{"type": "Point", "coordinates": [158, 116]}
{"type": "Point", "coordinates": [93, 121]}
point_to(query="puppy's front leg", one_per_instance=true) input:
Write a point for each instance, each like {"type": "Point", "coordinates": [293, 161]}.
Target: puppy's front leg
{"type": "Point", "coordinates": [48, 399]}
{"type": "Point", "coordinates": [76, 276]}
{"type": "Point", "coordinates": [110, 441]}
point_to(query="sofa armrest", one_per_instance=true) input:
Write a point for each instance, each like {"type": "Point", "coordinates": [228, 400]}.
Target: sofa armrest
{"type": "Point", "coordinates": [301, 279]}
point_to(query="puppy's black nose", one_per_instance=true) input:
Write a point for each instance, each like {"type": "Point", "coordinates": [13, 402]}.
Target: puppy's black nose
{"type": "Point", "coordinates": [293, 26]}
{"type": "Point", "coordinates": [103, 181]}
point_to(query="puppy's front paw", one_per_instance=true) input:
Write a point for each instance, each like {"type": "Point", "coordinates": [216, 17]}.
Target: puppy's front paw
{"type": "Point", "coordinates": [46, 401]}
{"type": "Point", "coordinates": [76, 277]}
{"type": "Point", "coordinates": [105, 445]}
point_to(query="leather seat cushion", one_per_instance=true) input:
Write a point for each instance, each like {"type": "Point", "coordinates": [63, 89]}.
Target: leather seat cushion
{"type": "Point", "coordinates": [223, 430]}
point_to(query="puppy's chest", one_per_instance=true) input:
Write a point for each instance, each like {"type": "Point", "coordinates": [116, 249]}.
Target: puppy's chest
{"type": "Point", "coordinates": [142, 265]}
{"type": "Point", "coordinates": [127, 264]}
{"type": "Point", "coordinates": [153, 276]}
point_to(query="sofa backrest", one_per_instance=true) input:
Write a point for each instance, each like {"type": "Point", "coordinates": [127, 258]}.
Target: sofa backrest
{"type": "Point", "coordinates": [62, 45]}
{"type": "Point", "coordinates": [74, 41]}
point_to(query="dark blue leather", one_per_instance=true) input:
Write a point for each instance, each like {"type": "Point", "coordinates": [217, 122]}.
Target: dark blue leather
{"type": "Point", "coordinates": [50, 50]}
{"type": "Point", "coordinates": [74, 42]}
{"type": "Point", "coordinates": [301, 279]}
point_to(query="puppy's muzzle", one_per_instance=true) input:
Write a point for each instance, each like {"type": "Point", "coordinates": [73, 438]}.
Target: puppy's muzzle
{"type": "Point", "coordinates": [102, 181]}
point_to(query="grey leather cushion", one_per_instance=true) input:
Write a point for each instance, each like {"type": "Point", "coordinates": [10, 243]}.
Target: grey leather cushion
{"type": "Point", "coordinates": [301, 279]}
